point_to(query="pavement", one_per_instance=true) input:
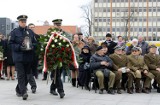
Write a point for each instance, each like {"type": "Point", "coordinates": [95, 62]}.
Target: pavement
{"type": "Point", "coordinates": [74, 96]}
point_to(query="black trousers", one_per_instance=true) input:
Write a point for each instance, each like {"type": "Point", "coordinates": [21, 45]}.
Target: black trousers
{"type": "Point", "coordinates": [23, 69]}
{"type": "Point", "coordinates": [31, 81]}
{"type": "Point", "coordinates": [58, 83]}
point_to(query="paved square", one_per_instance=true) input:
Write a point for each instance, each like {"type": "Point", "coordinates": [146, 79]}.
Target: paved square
{"type": "Point", "coordinates": [74, 96]}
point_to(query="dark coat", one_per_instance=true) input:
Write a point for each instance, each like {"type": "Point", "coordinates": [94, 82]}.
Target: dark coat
{"type": "Point", "coordinates": [17, 37]}
{"type": "Point", "coordinates": [111, 45]}
{"type": "Point", "coordinates": [144, 46]}
{"type": "Point", "coordinates": [95, 62]}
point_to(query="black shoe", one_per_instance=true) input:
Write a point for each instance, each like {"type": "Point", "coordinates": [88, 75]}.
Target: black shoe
{"type": "Point", "coordinates": [87, 87]}
{"type": "Point", "coordinates": [154, 85]}
{"type": "Point", "coordinates": [18, 94]}
{"type": "Point", "coordinates": [25, 96]}
{"type": "Point", "coordinates": [44, 79]}
{"type": "Point", "coordinates": [74, 82]}
{"type": "Point", "coordinates": [145, 90]}
{"type": "Point", "coordinates": [158, 90]}
{"type": "Point", "coordinates": [54, 92]}
{"type": "Point", "coordinates": [61, 94]}
{"type": "Point", "coordinates": [119, 91]}
{"type": "Point", "coordinates": [2, 78]}
{"type": "Point", "coordinates": [101, 91]}
{"type": "Point", "coordinates": [33, 90]}
{"type": "Point", "coordinates": [111, 91]}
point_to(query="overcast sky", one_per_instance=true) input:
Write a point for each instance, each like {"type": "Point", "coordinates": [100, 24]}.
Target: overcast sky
{"type": "Point", "coordinates": [40, 10]}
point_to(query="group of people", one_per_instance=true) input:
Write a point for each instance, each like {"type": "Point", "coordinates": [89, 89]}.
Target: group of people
{"type": "Point", "coordinates": [117, 66]}
{"type": "Point", "coordinates": [114, 65]}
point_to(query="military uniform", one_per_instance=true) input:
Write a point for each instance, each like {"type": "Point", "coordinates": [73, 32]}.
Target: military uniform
{"type": "Point", "coordinates": [22, 57]}
{"type": "Point", "coordinates": [153, 62]}
{"type": "Point", "coordinates": [57, 83]}
{"type": "Point", "coordinates": [120, 61]}
{"type": "Point", "coordinates": [137, 65]}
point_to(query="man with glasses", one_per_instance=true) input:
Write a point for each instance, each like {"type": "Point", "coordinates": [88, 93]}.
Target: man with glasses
{"type": "Point", "coordinates": [22, 42]}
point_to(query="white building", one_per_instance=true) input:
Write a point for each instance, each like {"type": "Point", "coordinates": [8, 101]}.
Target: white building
{"type": "Point", "coordinates": [126, 17]}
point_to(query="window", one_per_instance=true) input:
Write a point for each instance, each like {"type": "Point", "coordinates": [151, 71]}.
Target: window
{"type": "Point", "coordinates": [140, 29]}
{"type": "Point", "coordinates": [144, 29]}
{"type": "Point", "coordinates": [96, 1]}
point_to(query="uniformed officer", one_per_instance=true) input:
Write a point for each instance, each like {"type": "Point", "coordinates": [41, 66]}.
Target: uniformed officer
{"type": "Point", "coordinates": [137, 65]}
{"type": "Point", "coordinates": [22, 42]}
{"type": "Point", "coordinates": [153, 62]}
{"type": "Point", "coordinates": [120, 66]}
{"type": "Point", "coordinates": [57, 84]}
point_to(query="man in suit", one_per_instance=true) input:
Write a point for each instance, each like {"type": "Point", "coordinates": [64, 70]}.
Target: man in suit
{"type": "Point", "coordinates": [120, 66]}
{"type": "Point", "coordinates": [153, 62]}
{"type": "Point", "coordinates": [137, 65]}
{"type": "Point", "coordinates": [111, 44]}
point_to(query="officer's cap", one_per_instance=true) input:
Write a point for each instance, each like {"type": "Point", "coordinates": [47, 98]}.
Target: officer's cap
{"type": "Point", "coordinates": [22, 17]}
{"type": "Point", "coordinates": [57, 21]}
{"type": "Point", "coordinates": [152, 46]}
{"type": "Point", "coordinates": [135, 49]}
{"type": "Point", "coordinates": [118, 48]}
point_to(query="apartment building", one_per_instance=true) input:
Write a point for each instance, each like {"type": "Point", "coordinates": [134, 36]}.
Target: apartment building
{"type": "Point", "coordinates": [129, 18]}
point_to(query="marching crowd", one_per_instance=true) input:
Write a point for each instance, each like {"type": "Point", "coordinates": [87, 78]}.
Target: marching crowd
{"type": "Point", "coordinates": [113, 65]}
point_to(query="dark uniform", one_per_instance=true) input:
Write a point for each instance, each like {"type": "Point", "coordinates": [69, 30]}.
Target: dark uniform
{"type": "Point", "coordinates": [153, 62]}
{"type": "Point", "coordinates": [22, 57]}
{"type": "Point", "coordinates": [57, 84]}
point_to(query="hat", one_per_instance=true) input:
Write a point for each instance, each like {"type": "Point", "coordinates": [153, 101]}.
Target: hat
{"type": "Point", "coordinates": [135, 49]}
{"type": "Point", "coordinates": [118, 48]}
{"type": "Point", "coordinates": [152, 46]}
{"type": "Point", "coordinates": [104, 44]}
{"type": "Point", "coordinates": [108, 35]}
{"type": "Point", "coordinates": [99, 48]}
{"type": "Point", "coordinates": [57, 21]}
{"type": "Point", "coordinates": [22, 17]}
{"type": "Point", "coordinates": [86, 47]}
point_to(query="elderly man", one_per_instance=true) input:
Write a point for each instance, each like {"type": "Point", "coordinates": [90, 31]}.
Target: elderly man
{"type": "Point", "coordinates": [137, 65]}
{"type": "Point", "coordinates": [120, 66]}
{"type": "Point", "coordinates": [101, 66]}
{"type": "Point", "coordinates": [153, 62]}
{"type": "Point", "coordinates": [143, 45]}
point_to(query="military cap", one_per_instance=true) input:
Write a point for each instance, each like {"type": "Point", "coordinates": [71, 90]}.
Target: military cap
{"type": "Point", "coordinates": [57, 21]}
{"type": "Point", "coordinates": [118, 48]}
{"type": "Point", "coordinates": [135, 49]}
{"type": "Point", "coordinates": [152, 46]}
{"type": "Point", "coordinates": [108, 35]}
{"type": "Point", "coordinates": [22, 17]}
{"type": "Point", "coordinates": [99, 48]}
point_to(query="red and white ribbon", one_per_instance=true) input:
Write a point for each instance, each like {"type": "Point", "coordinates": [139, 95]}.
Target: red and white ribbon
{"type": "Point", "coordinates": [48, 44]}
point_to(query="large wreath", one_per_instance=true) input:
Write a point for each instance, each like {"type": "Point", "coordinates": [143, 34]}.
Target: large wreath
{"type": "Point", "coordinates": [56, 50]}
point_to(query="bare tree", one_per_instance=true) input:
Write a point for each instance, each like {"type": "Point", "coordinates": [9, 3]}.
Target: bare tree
{"type": "Point", "coordinates": [129, 19]}
{"type": "Point", "coordinates": [87, 14]}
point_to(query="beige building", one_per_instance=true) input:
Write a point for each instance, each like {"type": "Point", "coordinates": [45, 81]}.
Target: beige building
{"type": "Point", "coordinates": [126, 17]}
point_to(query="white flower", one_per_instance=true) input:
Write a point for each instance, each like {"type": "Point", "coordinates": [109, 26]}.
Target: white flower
{"type": "Point", "coordinates": [60, 38]}
{"type": "Point", "coordinates": [53, 46]}
{"type": "Point", "coordinates": [55, 40]}
{"type": "Point", "coordinates": [41, 49]}
{"type": "Point", "coordinates": [60, 44]}
{"type": "Point", "coordinates": [64, 40]}
{"type": "Point", "coordinates": [67, 45]}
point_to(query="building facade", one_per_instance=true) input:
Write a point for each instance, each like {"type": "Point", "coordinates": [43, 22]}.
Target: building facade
{"type": "Point", "coordinates": [128, 18]}
{"type": "Point", "coordinates": [5, 26]}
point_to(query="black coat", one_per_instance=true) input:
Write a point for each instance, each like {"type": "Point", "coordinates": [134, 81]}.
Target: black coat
{"type": "Point", "coordinates": [95, 62]}
{"type": "Point", "coordinates": [111, 45]}
{"type": "Point", "coordinates": [16, 40]}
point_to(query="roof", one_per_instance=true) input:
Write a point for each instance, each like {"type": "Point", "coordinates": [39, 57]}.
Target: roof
{"type": "Point", "coordinates": [69, 29]}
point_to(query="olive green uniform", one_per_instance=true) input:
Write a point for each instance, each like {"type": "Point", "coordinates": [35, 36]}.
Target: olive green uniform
{"type": "Point", "coordinates": [137, 65]}
{"type": "Point", "coordinates": [153, 62]}
{"type": "Point", "coordinates": [118, 62]}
